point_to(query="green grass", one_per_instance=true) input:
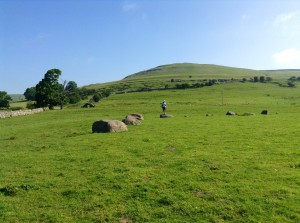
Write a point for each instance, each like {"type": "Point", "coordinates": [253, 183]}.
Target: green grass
{"type": "Point", "coordinates": [190, 168]}
{"type": "Point", "coordinates": [168, 76]}
{"type": "Point", "coordinates": [185, 70]}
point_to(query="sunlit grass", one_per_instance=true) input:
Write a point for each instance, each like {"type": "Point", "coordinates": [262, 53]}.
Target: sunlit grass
{"type": "Point", "coordinates": [190, 168]}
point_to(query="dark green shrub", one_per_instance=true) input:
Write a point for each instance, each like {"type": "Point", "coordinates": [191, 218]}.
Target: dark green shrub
{"type": "Point", "coordinates": [96, 98]}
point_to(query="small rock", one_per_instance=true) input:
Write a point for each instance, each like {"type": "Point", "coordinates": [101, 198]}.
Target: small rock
{"type": "Point", "coordinates": [165, 116]}
{"type": "Point", "coordinates": [230, 113]}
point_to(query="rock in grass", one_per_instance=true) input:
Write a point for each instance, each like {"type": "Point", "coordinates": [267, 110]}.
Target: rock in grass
{"type": "Point", "coordinates": [137, 116]}
{"type": "Point", "coordinates": [165, 116]}
{"type": "Point", "coordinates": [230, 113]}
{"type": "Point", "coordinates": [264, 112]}
{"type": "Point", "coordinates": [109, 126]}
{"type": "Point", "coordinates": [88, 105]}
{"type": "Point", "coordinates": [133, 119]}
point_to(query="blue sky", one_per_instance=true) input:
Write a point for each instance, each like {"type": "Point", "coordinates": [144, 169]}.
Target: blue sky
{"type": "Point", "coordinates": [100, 41]}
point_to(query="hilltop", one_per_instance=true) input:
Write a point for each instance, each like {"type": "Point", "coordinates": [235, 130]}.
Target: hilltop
{"type": "Point", "coordinates": [182, 70]}
{"type": "Point", "coordinates": [170, 75]}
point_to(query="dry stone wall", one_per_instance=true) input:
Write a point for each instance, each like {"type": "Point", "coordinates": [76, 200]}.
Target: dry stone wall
{"type": "Point", "coordinates": [9, 114]}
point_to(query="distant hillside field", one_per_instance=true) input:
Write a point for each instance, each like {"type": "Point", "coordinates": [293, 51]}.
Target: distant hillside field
{"type": "Point", "coordinates": [167, 76]}
{"type": "Point", "coordinates": [17, 97]}
{"type": "Point", "coordinates": [185, 70]}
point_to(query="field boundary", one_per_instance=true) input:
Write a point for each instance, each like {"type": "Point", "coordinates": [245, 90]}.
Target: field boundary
{"type": "Point", "coordinates": [10, 114]}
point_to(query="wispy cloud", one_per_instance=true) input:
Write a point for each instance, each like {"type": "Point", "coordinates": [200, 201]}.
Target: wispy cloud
{"type": "Point", "coordinates": [129, 6]}
{"type": "Point", "coordinates": [284, 18]}
{"type": "Point", "coordinates": [245, 17]}
{"type": "Point", "coordinates": [288, 58]}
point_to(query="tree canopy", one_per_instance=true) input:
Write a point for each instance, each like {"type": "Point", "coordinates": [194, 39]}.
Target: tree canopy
{"type": "Point", "coordinates": [47, 90]}
{"type": "Point", "coordinates": [30, 94]}
{"type": "Point", "coordinates": [4, 99]}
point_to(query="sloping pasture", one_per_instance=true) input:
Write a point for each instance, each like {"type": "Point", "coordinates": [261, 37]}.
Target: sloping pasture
{"type": "Point", "coordinates": [200, 166]}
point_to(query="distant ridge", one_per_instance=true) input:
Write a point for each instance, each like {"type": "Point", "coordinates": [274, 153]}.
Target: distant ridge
{"type": "Point", "coordinates": [166, 76]}
{"type": "Point", "coordinates": [199, 70]}
{"type": "Point", "coordinates": [283, 70]}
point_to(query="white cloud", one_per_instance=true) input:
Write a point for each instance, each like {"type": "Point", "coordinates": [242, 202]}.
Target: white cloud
{"type": "Point", "coordinates": [288, 58]}
{"type": "Point", "coordinates": [129, 6]}
{"type": "Point", "coordinates": [284, 18]}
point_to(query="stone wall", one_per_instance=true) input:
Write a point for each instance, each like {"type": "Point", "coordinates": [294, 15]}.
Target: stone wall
{"type": "Point", "coordinates": [9, 114]}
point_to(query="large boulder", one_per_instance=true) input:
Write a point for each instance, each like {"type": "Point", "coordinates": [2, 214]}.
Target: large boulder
{"type": "Point", "coordinates": [109, 126]}
{"type": "Point", "coordinates": [133, 119]}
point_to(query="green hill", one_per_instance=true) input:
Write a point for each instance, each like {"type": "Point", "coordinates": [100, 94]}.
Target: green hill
{"type": "Point", "coordinates": [168, 76]}
{"type": "Point", "coordinates": [185, 70]}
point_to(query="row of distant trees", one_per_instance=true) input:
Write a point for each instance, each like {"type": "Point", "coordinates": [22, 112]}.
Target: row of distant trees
{"type": "Point", "coordinates": [261, 79]}
{"type": "Point", "coordinates": [49, 92]}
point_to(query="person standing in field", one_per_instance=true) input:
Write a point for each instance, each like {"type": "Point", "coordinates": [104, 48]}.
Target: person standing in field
{"type": "Point", "coordinates": [164, 106]}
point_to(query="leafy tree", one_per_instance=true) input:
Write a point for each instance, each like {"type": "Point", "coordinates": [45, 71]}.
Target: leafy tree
{"type": "Point", "coordinates": [4, 99]}
{"type": "Point", "coordinates": [262, 79]}
{"type": "Point", "coordinates": [30, 94]}
{"type": "Point", "coordinates": [47, 90]}
{"type": "Point", "coordinates": [68, 92]}
{"type": "Point", "coordinates": [255, 79]}
{"type": "Point", "coordinates": [73, 91]}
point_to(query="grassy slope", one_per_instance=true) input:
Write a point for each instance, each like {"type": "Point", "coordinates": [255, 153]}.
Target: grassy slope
{"type": "Point", "coordinates": [159, 76]}
{"type": "Point", "coordinates": [197, 70]}
{"type": "Point", "coordinates": [191, 168]}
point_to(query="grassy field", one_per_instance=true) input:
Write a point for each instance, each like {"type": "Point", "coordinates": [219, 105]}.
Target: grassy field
{"type": "Point", "coordinates": [190, 168]}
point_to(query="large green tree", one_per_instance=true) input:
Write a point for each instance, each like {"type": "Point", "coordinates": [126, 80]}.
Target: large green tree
{"type": "Point", "coordinates": [4, 99]}
{"type": "Point", "coordinates": [30, 94]}
{"type": "Point", "coordinates": [48, 90]}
